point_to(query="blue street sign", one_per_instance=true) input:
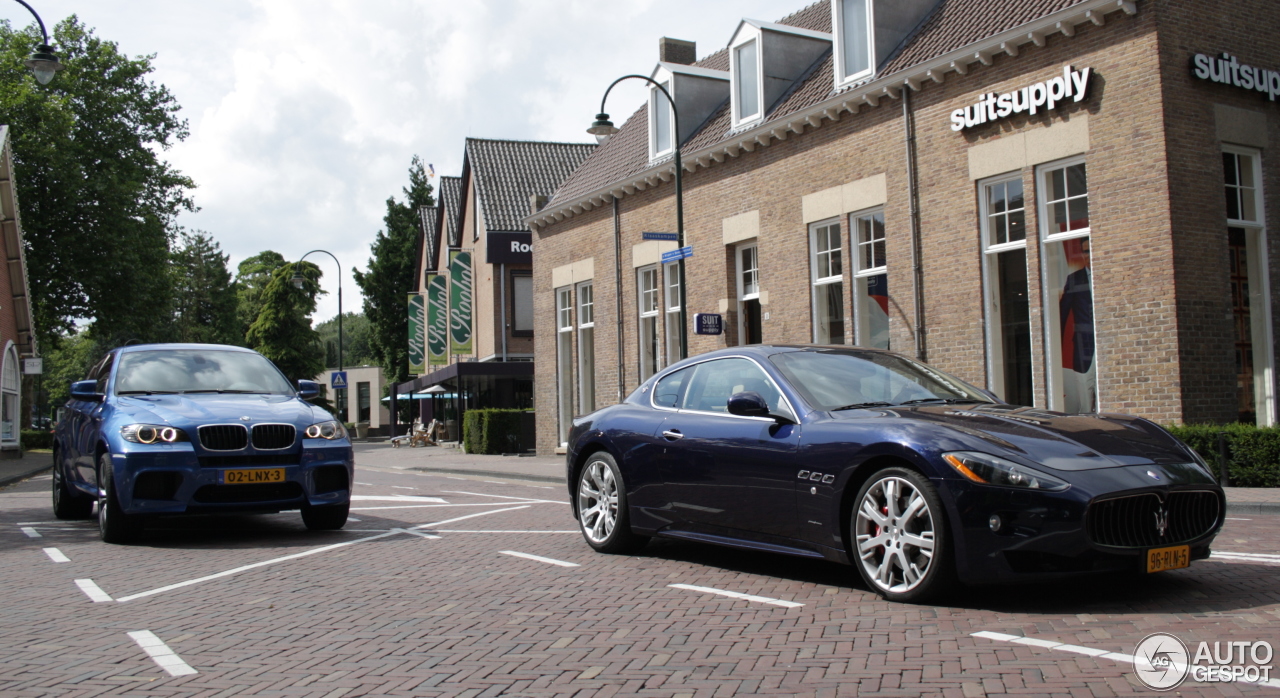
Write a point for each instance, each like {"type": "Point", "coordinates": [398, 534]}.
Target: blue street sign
{"type": "Point", "coordinates": [677, 255]}
{"type": "Point", "coordinates": [708, 323]}
{"type": "Point", "coordinates": [660, 236]}
{"type": "Point", "coordinates": [338, 379]}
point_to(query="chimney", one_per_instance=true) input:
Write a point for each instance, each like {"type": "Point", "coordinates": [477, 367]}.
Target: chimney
{"type": "Point", "coordinates": [537, 202]}
{"type": "Point", "coordinates": [677, 51]}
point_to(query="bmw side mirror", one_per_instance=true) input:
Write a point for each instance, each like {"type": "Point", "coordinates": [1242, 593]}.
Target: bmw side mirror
{"type": "Point", "coordinates": [748, 403]}
{"type": "Point", "coordinates": [86, 390]}
{"type": "Point", "coordinates": [308, 389]}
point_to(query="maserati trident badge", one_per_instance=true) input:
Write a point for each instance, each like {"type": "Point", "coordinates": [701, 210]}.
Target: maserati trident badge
{"type": "Point", "coordinates": [1152, 474]}
{"type": "Point", "coordinates": [1162, 521]}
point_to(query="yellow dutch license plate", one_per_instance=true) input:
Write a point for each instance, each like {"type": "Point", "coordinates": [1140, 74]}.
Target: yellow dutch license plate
{"type": "Point", "coordinates": [1161, 559]}
{"type": "Point", "coordinates": [245, 477]}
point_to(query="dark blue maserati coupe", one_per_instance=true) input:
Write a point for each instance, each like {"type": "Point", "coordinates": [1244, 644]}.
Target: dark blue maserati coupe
{"type": "Point", "coordinates": [162, 429]}
{"type": "Point", "coordinates": [869, 458]}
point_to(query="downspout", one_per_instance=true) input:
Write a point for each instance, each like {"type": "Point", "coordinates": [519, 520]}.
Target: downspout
{"type": "Point", "coordinates": [913, 198]}
{"type": "Point", "coordinates": [617, 271]}
{"type": "Point", "coordinates": [502, 289]}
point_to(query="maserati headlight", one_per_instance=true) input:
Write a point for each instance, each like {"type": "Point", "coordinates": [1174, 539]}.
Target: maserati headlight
{"type": "Point", "coordinates": [990, 470]}
{"type": "Point", "coordinates": [326, 430]}
{"type": "Point", "coordinates": [152, 433]}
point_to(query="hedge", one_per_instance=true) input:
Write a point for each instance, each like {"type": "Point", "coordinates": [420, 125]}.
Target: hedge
{"type": "Point", "coordinates": [1253, 453]}
{"type": "Point", "coordinates": [491, 431]}
{"type": "Point", "coordinates": [34, 438]}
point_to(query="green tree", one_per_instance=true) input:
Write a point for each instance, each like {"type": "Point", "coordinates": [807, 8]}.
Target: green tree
{"type": "Point", "coordinates": [389, 277]}
{"type": "Point", "coordinates": [252, 277]}
{"type": "Point", "coordinates": [283, 331]}
{"type": "Point", "coordinates": [68, 361]}
{"type": "Point", "coordinates": [204, 296]}
{"type": "Point", "coordinates": [355, 340]}
{"type": "Point", "coordinates": [98, 203]}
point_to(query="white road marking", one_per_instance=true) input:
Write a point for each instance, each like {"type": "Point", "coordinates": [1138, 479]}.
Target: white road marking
{"type": "Point", "coordinates": [1245, 557]}
{"type": "Point", "coordinates": [160, 653]}
{"type": "Point", "coordinates": [498, 496]}
{"type": "Point", "coordinates": [93, 591]}
{"type": "Point", "coordinates": [42, 523]}
{"type": "Point", "coordinates": [1228, 518]}
{"type": "Point", "coordinates": [428, 506]}
{"type": "Point", "coordinates": [401, 487]}
{"type": "Point", "coordinates": [366, 484]}
{"type": "Point", "coordinates": [737, 595]}
{"type": "Point", "coordinates": [352, 518]}
{"type": "Point", "coordinates": [1091, 651]}
{"type": "Point", "coordinates": [396, 498]}
{"type": "Point", "coordinates": [540, 487]}
{"type": "Point", "coordinates": [539, 558]}
{"type": "Point", "coordinates": [416, 533]}
{"type": "Point", "coordinates": [470, 516]}
{"type": "Point", "coordinates": [494, 482]}
{"type": "Point", "coordinates": [56, 555]}
{"type": "Point", "coordinates": [31, 532]}
{"type": "Point", "coordinates": [449, 477]}
{"type": "Point", "coordinates": [478, 531]}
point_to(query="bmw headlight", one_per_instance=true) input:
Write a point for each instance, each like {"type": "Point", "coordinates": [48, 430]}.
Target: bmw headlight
{"type": "Point", "coordinates": [327, 430]}
{"type": "Point", "coordinates": [989, 470]}
{"type": "Point", "coordinates": [152, 433]}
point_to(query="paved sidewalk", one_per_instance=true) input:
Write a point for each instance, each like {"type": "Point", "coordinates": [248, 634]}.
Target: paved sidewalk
{"type": "Point", "coordinates": [29, 464]}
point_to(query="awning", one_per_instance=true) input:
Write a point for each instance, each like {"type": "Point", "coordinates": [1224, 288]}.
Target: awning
{"type": "Point", "coordinates": [450, 373]}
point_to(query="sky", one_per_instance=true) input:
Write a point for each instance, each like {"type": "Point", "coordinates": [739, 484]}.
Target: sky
{"type": "Point", "coordinates": [305, 114]}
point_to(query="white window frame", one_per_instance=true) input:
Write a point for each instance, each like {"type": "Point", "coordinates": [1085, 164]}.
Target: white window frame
{"type": "Point", "coordinates": [743, 296]}
{"type": "Point", "coordinates": [1259, 298]}
{"type": "Point", "coordinates": [643, 314]}
{"type": "Point", "coordinates": [815, 266]}
{"type": "Point", "coordinates": [995, 350]}
{"type": "Point", "coordinates": [1051, 355]}
{"type": "Point", "coordinates": [671, 292]}
{"type": "Point", "coordinates": [735, 84]}
{"type": "Point", "coordinates": [657, 101]}
{"type": "Point", "coordinates": [837, 12]}
{"type": "Point", "coordinates": [859, 272]}
{"type": "Point", "coordinates": [586, 360]}
{"type": "Point", "coordinates": [564, 339]}
{"type": "Point", "coordinates": [11, 394]}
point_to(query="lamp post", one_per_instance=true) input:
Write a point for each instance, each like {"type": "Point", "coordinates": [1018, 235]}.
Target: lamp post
{"type": "Point", "coordinates": [299, 282]}
{"type": "Point", "coordinates": [43, 62]}
{"type": "Point", "coordinates": [602, 129]}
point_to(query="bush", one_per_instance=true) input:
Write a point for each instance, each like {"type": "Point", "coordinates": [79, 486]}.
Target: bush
{"type": "Point", "coordinates": [492, 431]}
{"type": "Point", "coordinates": [1253, 453]}
{"type": "Point", "coordinates": [34, 438]}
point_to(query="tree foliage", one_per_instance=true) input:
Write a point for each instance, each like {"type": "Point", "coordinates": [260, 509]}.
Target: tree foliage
{"type": "Point", "coordinates": [390, 275]}
{"type": "Point", "coordinates": [98, 204]}
{"type": "Point", "coordinates": [356, 334]}
{"type": "Point", "coordinates": [252, 277]}
{"type": "Point", "coordinates": [282, 332]}
{"type": "Point", "coordinates": [204, 297]}
{"type": "Point", "coordinates": [68, 360]}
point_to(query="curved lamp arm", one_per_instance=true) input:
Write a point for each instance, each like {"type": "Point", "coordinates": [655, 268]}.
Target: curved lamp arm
{"type": "Point", "coordinates": [335, 261]}
{"type": "Point", "coordinates": [44, 34]}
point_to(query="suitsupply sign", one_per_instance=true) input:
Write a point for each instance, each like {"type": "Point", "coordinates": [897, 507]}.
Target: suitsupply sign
{"type": "Point", "coordinates": [437, 320]}
{"type": "Point", "coordinates": [460, 302]}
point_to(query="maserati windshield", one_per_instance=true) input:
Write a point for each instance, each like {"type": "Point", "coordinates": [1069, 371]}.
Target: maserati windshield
{"type": "Point", "coordinates": [852, 379]}
{"type": "Point", "coordinates": [198, 371]}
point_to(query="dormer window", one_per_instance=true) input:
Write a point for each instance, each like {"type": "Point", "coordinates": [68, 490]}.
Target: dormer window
{"type": "Point", "coordinates": [660, 137]}
{"type": "Point", "coordinates": [698, 92]}
{"type": "Point", "coordinates": [746, 78]}
{"type": "Point", "coordinates": [853, 44]}
{"type": "Point", "coordinates": [766, 61]}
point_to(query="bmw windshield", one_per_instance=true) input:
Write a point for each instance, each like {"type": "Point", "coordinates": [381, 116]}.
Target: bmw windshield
{"type": "Point", "coordinates": [841, 379]}
{"type": "Point", "coordinates": [173, 371]}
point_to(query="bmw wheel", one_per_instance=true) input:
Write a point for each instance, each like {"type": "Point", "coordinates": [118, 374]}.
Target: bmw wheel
{"type": "Point", "coordinates": [602, 507]}
{"type": "Point", "coordinates": [114, 525]}
{"type": "Point", "coordinates": [67, 506]}
{"type": "Point", "coordinates": [902, 547]}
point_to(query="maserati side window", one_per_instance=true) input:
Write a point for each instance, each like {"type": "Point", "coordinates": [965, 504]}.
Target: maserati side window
{"type": "Point", "coordinates": [715, 381]}
{"type": "Point", "coordinates": [667, 392]}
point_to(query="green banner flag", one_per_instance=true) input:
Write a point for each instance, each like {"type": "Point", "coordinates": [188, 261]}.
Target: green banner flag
{"type": "Point", "coordinates": [437, 320]}
{"type": "Point", "coordinates": [417, 335]}
{"type": "Point", "coordinates": [460, 302]}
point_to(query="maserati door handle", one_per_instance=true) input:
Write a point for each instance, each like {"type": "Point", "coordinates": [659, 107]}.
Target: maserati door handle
{"type": "Point", "coordinates": [672, 435]}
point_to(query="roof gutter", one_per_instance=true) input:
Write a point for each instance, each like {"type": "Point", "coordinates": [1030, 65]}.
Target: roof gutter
{"type": "Point", "coordinates": [846, 100]}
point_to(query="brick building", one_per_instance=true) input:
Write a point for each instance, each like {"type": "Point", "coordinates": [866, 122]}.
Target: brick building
{"type": "Point", "coordinates": [1064, 201]}
{"type": "Point", "coordinates": [17, 338]}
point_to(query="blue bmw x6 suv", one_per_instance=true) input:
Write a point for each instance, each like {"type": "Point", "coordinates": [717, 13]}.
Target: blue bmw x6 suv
{"type": "Point", "coordinates": [163, 429]}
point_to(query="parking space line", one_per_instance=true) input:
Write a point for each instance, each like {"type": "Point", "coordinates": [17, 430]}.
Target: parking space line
{"type": "Point", "coordinates": [160, 653]}
{"type": "Point", "coordinates": [415, 533]}
{"type": "Point", "coordinates": [479, 531]}
{"type": "Point", "coordinates": [402, 487]}
{"type": "Point", "coordinates": [365, 484]}
{"type": "Point", "coordinates": [396, 498]}
{"type": "Point", "coordinates": [31, 532]}
{"type": "Point", "coordinates": [738, 595]}
{"type": "Point", "coordinates": [1244, 557]}
{"type": "Point", "coordinates": [539, 558]}
{"type": "Point", "coordinates": [428, 506]}
{"type": "Point", "coordinates": [498, 496]}
{"type": "Point", "coordinates": [1228, 518]}
{"type": "Point", "coordinates": [93, 591]}
{"type": "Point", "coordinates": [469, 516]}
{"type": "Point", "coordinates": [56, 555]}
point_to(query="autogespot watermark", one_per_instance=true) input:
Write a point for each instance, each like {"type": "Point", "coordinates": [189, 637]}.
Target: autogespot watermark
{"type": "Point", "coordinates": [1162, 662]}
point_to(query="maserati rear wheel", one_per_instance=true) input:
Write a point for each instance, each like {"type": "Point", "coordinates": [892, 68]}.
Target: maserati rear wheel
{"type": "Point", "coordinates": [900, 537]}
{"type": "Point", "coordinates": [602, 507]}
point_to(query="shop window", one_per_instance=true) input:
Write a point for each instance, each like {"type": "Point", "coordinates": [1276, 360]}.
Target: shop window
{"type": "Point", "coordinates": [564, 359]}
{"type": "Point", "coordinates": [1250, 294]}
{"type": "Point", "coordinates": [870, 281]}
{"type": "Point", "coordinates": [746, 82]}
{"type": "Point", "coordinates": [9, 388]}
{"type": "Point", "coordinates": [828, 282]}
{"type": "Point", "coordinates": [586, 348]}
{"type": "Point", "coordinates": [1004, 239]}
{"type": "Point", "coordinates": [363, 403]}
{"type": "Point", "coordinates": [671, 274]}
{"type": "Point", "coordinates": [660, 133]}
{"type": "Point", "coordinates": [647, 297]}
{"type": "Point", "coordinates": [521, 304]}
{"type": "Point", "coordinates": [749, 315]}
{"type": "Point", "coordinates": [1070, 351]}
{"type": "Point", "coordinates": [853, 40]}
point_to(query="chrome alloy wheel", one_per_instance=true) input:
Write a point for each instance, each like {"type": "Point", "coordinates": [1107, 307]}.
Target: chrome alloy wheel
{"type": "Point", "coordinates": [894, 533]}
{"type": "Point", "coordinates": [597, 502]}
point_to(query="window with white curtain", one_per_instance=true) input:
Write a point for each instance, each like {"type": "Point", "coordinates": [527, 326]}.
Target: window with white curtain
{"type": "Point", "coordinates": [828, 282]}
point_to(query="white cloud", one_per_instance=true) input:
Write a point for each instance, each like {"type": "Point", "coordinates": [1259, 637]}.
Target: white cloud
{"type": "Point", "coordinates": [305, 113]}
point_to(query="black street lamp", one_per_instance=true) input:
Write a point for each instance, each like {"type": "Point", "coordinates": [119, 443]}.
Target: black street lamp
{"type": "Point", "coordinates": [299, 282]}
{"type": "Point", "coordinates": [602, 129]}
{"type": "Point", "coordinates": [44, 62]}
